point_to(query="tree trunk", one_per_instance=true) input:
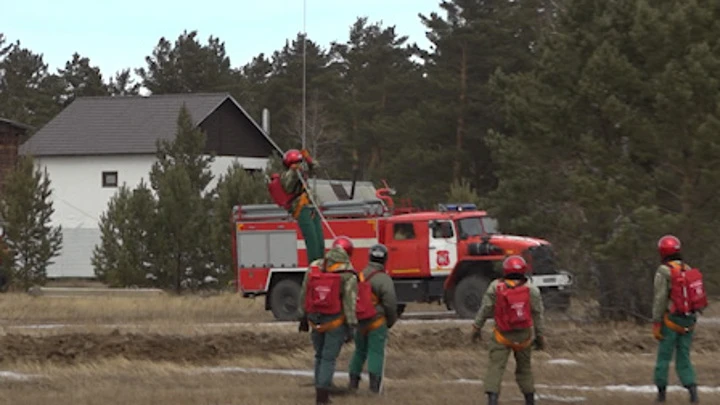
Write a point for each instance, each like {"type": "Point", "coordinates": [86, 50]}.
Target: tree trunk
{"type": "Point", "coordinates": [457, 165]}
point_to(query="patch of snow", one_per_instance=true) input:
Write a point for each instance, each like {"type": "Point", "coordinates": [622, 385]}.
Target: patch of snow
{"type": "Point", "coordinates": [288, 372]}
{"type": "Point", "coordinates": [564, 362]}
{"type": "Point", "coordinates": [11, 375]}
{"type": "Point", "coordinates": [558, 398]}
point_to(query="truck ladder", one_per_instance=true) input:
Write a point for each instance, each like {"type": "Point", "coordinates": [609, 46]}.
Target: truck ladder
{"type": "Point", "coordinates": [331, 210]}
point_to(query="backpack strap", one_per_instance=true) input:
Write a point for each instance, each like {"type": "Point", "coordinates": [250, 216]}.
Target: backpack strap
{"type": "Point", "coordinates": [372, 274]}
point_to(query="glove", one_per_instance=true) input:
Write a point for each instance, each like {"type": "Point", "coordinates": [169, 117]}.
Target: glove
{"type": "Point", "coordinates": [304, 326]}
{"type": "Point", "coordinates": [306, 156]}
{"type": "Point", "coordinates": [657, 331]}
{"type": "Point", "coordinates": [350, 333]}
{"type": "Point", "coordinates": [539, 343]}
{"type": "Point", "coordinates": [477, 334]}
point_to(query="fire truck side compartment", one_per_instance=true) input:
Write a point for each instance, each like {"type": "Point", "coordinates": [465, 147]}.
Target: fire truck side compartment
{"type": "Point", "coordinates": [267, 249]}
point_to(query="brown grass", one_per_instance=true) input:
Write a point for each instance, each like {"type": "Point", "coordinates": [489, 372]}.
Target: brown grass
{"type": "Point", "coordinates": [158, 340]}
{"type": "Point", "coordinates": [17, 308]}
{"type": "Point", "coordinates": [123, 382]}
{"type": "Point", "coordinates": [23, 309]}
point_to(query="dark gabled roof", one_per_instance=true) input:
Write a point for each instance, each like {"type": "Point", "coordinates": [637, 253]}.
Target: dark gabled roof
{"type": "Point", "coordinates": [15, 124]}
{"type": "Point", "coordinates": [123, 125]}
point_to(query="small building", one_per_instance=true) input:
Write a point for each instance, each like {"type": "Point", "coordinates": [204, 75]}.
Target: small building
{"type": "Point", "coordinates": [97, 144]}
{"type": "Point", "coordinates": [12, 135]}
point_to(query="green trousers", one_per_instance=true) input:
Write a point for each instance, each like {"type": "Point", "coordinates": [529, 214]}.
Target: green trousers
{"type": "Point", "coordinates": [311, 227]}
{"type": "Point", "coordinates": [370, 347]}
{"type": "Point", "coordinates": [679, 344]}
{"type": "Point", "coordinates": [327, 348]}
{"type": "Point", "coordinates": [498, 357]}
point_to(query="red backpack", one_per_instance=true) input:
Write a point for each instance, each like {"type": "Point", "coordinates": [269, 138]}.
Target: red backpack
{"type": "Point", "coordinates": [322, 292]}
{"type": "Point", "coordinates": [366, 299]}
{"type": "Point", "coordinates": [687, 291]}
{"type": "Point", "coordinates": [512, 307]}
{"type": "Point", "coordinates": [278, 193]}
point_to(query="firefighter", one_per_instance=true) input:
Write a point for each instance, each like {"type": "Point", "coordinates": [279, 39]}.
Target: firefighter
{"type": "Point", "coordinates": [327, 304]}
{"type": "Point", "coordinates": [517, 308]}
{"type": "Point", "coordinates": [371, 336]}
{"type": "Point", "coordinates": [674, 316]}
{"type": "Point", "coordinates": [299, 163]}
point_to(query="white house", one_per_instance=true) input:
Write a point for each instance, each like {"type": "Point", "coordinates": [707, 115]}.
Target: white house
{"type": "Point", "coordinates": [98, 143]}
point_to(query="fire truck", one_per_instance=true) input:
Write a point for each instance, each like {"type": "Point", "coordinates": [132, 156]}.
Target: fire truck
{"type": "Point", "coordinates": [448, 255]}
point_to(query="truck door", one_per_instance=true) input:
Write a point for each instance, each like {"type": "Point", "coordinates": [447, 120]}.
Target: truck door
{"type": "Point", "coordinates": [442, 247]}
{"type": "Point", "coordinates": [405, 258]}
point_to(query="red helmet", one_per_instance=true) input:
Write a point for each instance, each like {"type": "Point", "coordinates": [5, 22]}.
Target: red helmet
{"type": "Point", "coordinates": [514, 265]}
{"type": "Point", "coordinates": [668, 245]}
{"type": "Point", "coordinates": [345, 243]}
{"type": "Point", "coordinates": [291, 157]}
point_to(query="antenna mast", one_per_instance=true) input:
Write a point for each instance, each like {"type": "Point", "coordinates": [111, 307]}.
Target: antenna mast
{"type": "Point", "coordinates": [304, 77]}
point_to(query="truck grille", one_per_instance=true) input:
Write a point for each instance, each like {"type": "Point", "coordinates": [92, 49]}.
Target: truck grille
{"type": "Point", "coordinates": [543, 260]}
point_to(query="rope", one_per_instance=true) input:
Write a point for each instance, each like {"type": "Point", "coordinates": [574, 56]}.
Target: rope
{"type": "Point", "coordinates": [317, 207]}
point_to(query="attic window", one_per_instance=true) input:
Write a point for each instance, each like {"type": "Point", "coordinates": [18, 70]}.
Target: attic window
{"type": "Point", "coordinates": [109, 179]}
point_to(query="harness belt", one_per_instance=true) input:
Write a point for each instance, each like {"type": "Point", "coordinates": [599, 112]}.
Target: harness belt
{"type": "Point", "coordinates": [380, 321]}
{"type": "Point", "coordinates": [515, 346]}
{"type": "Point", "coordinates": [302, 201]}
{"type": "Point", "coordinates": [675, 327]}
{"type": "Point", "coordinates": [328, 326]}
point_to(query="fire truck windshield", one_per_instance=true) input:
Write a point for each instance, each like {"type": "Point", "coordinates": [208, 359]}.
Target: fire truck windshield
{"type": "Point", "coordinates": [476, 226]}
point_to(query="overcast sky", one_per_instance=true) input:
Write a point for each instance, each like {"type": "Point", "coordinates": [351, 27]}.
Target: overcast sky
{"type": "Point", "coordinates": [117, 35]}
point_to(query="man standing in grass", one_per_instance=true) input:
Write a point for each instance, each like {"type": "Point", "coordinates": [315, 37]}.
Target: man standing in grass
{"type": "Point", "coordinates": [517, 308]}
{"type": "Point", "coordinates": [679, 294]}
{"type": "Point", "coordinates": [327, 304]}
{"type": "Point", "coordinates": [371, 337]}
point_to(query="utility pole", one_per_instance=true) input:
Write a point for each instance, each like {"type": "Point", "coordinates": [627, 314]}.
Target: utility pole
{"type": "Point", "coordinates": [304, 77]}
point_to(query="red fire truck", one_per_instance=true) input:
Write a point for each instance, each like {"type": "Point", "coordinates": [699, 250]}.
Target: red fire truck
{"type": "Point", "coordinates": [447, 256]}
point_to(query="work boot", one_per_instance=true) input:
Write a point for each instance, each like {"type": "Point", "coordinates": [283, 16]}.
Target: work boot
{"type": "Point", "coordinates": [692, 389]}
{"type": "Point", "coordinates": [354, 382]}
{"type": "Point", "coordinates": [530, 398]}
{"type": "Point", "coordinates": [492, 398]}
{"type": "Point", "coordinates": [322, 396]}
{"type": "Point", "coordinates": [375, 383]}
{"type": "Point", "coordinates": [661, 394]}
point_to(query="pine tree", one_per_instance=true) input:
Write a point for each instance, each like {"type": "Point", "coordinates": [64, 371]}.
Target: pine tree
{"type": "Point", "coordinates": [471, 40]}
{"type": "Point", "coordinates": [26, 208]}
{"type": "Point", "coordinates": [28, 93]}
{"type": "Point", "coordinates": [82, 79]}
{"type": "Point", "coordinates": [380, 83]}
{"type": "Point", "coordinates": [124, 255]}
{"type": "Point", "coordinates": [123, 85]}
{"type": "Point", "coordinates": [613, 142]}
{"type": "Point", "coordinates": [180, 178]}
{"type": "Point", "coordinates": [187, 66]}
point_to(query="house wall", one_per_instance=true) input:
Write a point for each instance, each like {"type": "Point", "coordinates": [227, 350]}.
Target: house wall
{"type": "Point", "coordinates": [79, 199]}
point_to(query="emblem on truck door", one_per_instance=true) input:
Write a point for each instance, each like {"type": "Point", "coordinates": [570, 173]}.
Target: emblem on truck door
{"type": "Point", "coordinates": [443, 258]}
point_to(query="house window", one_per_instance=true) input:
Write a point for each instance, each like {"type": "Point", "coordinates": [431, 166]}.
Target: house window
{"type": "Point", "coordinates": [109, 179]}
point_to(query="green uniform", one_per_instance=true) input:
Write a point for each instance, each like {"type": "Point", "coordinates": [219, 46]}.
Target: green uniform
{"type": "Point", "coordinates": [498, 353]}
{"type": "Point", "coordinates": [671, 341]}
{"type": "Point", "coordinates": [327, 344]}
{"type": "Point", "coordinates": [308, 217]}
{"type": "Point", "coordinates": [370, 345]}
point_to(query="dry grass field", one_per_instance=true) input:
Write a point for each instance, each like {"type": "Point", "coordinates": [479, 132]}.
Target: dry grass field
{"type": "Point", "coordinates": [192, 350]}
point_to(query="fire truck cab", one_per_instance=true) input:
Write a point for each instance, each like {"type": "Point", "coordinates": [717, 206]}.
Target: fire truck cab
{"type": "Point", "coordinates": [448, 255]}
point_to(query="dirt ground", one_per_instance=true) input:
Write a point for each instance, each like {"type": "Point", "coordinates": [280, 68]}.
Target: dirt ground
{"type": "Point", "coordinates": [191, 350]}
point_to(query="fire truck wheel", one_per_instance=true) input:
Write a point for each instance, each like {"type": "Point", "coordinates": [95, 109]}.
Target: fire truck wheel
{"type": "Point", "coordinates": [284, 299]}
{"type": "Point", "coordinates": [556, 300]}
{"type": "Point", "coordinates": [468, 295]}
